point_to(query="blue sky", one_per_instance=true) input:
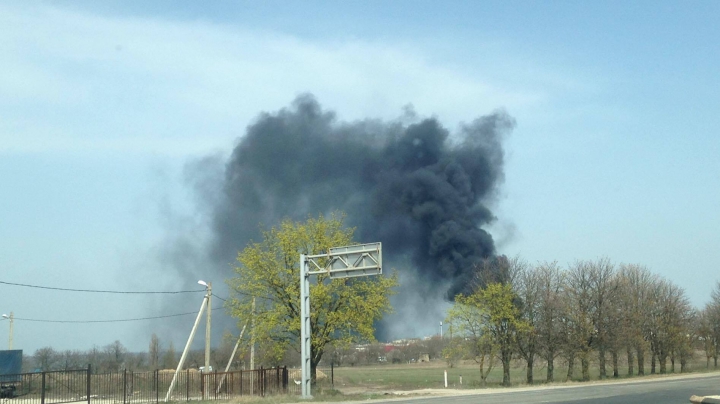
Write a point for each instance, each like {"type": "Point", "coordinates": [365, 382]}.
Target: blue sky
{"type": "Point", "coordinates": [102, 105]}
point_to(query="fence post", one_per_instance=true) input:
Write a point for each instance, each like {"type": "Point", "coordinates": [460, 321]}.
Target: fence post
{"type": "Point", "coordinates": [215, 383]}
{"type": "Point", "coordinates": [124, 390]}
{"type": "Point", "coordinates": [187, 384]}
{"type": "Point", "coordinates": [87, 390]}
{"type": "Point", "coordinates": [285, 379]}
{"type": "Point", "coordinates": [132, 383]}
{"type": "Point", "coordinates": [157, 386]}
{"type": "Point", "coordinates": [262, 382]}
{"type": "Point", "coordinates": [277, 380]}
{"type": "Point", "coordinates": [42, 389]}
{"type": "Point", "coordinates": [241, 383]}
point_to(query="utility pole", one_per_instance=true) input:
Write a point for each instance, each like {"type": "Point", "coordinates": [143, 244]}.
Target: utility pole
{"type": "Point", "coordinates": [11, 317]}
{"type": "Point", "coordinates": [252, 348]}
{"type": "Point", "coordinates": [441, 330]}
{"type": "Point", "coordinates": [187, 348]}
{"type": "Point", "coordinates": [232, 356]}
{"type": "Point", "coordinates": [208, 327]}
{"type": "Point", "coordinates": [252, 337]}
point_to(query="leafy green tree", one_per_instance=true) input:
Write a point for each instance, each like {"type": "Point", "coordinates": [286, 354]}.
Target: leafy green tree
{"type": "Point", "coordinates": [498, 318]}
{"type": "Point", "coordinates": [343, 311]}
{"type": "Point", "coordinates": [472, 338]}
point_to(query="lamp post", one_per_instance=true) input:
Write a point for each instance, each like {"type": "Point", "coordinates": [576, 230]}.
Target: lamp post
{"type": "Point", "coordinates": [11, 317]}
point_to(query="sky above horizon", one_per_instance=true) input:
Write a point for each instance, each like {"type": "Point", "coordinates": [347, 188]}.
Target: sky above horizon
{"type": "Point", "coordinates": [104, 106]}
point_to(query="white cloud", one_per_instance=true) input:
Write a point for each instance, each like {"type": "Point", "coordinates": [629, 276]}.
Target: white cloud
{"type": "Point", "coordinates": [126, 83]}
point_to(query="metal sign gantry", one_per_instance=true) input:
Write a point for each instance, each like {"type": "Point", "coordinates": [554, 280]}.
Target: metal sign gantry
{"type": "Point", "coordinates": [341, 262]}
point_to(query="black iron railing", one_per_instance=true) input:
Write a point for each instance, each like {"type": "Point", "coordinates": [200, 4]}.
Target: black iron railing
{"type": "Point", "coordinates": [127, 387]}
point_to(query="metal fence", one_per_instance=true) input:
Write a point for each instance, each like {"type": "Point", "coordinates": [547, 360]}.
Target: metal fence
{"type": "Point", "coordinates": [48, 387]}
{"type": "Point", "coordinates": [128, 387]}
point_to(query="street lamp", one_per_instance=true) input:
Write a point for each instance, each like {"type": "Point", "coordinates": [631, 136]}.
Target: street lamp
{"type": "Point", "coordinates": [11, 317]}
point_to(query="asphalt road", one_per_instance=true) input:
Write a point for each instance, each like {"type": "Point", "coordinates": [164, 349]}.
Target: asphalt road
{"type": "Point", "coordinates": [670, 390]}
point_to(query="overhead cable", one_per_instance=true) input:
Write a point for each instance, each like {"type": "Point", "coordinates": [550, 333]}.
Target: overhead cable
{"type": "Point", "coordinates": [108, 321]}
{"type": "Point", "coordinates": [121, 292]}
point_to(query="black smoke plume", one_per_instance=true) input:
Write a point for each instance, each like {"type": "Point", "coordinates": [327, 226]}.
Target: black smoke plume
{"type": "Point", "coordinates": [409, 183]}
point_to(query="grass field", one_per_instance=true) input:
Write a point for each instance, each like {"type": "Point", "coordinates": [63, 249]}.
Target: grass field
{"type": "Point", "coordinates": [360, 383]}
{"type": "Point", "coordinates": [431, 375]}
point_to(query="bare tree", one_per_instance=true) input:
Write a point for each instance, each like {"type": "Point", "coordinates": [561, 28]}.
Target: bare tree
{"type": "Point", "coordinates": [603, 290]}
{"type": "Point", "coordinates": [713, 313]}
{"type": "Point", "coordinates": [154, 351]}
{"type": "Point", "coordinates": [706, 335]}
{"type": "Point", "coordinates": [581, 333]}
{"type": "Point", "coordinates": [46, 358]}
{"type": "Point", "coordinates": [687, 339]}
{"type": "Point", "coordinates": [169, 360]}
{"type": "Point", "coordinates": [527, 286]}
{"type": "Point", "coordinates": [71, 359]}
{"type": "Point", "coordinates": [114, 355]}
{"type": "Point", "coordinates": [551, 313]}
{"type": "Point", "coordinates": [136, 361]}
{"type": "Point", "coordinates": [635, 283]}
{"type": "Point", "coordinates": [668, 321]}
{"type": "Point", "coordinates": [93, 358]}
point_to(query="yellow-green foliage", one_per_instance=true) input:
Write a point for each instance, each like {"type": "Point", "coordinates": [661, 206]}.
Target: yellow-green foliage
{"type": "Point", "coordinates": [488, 323]}
{"type": "Point", "coordinates": [342, 310]}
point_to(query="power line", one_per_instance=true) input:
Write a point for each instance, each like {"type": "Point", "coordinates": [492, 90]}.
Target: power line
{"type": "Point", "coordinates": [102, 291]}
{"type": "Point", "coordinates": [108, 321]}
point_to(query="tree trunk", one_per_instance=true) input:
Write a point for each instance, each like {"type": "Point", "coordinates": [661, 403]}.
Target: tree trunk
{"type": "Point", "coordinates": [641, 361]}
{"type": "Point", "coordinates": [663, 363]}
{"type": "Point", "coordinates": [315, 358]}
{"type": "Point", "coordinates": [550, 368]}
{"type": "Point", "coordinates": [313, 373]}
{"type": "Point", "coordinates": [683, 363]}
{"type": "Point", "coordinates": [530, 362]}
{"type": "Point", "coordinates": [571, 367]}
{"type": "Point", "coordinates": [652, 364]}
{"type": "Point", "coordinates": [631, 361]}
{"type": "Point", "coordinates": [616, 371]}
{"type": "Point", "coordinates": [506, 356]}
{"type": "Point", "coordinates": [585, 363]}
{"type": "Point", "coordinates": [672, 362]}
{"type": "Point", "coordinates": [601, 354]}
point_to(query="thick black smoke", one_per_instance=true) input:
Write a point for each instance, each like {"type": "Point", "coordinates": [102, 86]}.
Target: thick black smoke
{"type": "Point", "coordinates": [412, 186]}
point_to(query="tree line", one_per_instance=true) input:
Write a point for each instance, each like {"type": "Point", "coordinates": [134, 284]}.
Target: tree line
{"type": "Point", "coordinates": [589, 310]}
{"type": "Point", "coordinates": [115, 357]}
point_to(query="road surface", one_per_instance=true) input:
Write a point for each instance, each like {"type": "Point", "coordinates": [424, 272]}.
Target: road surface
{"type": "Point", "coordinates": [664, 390]}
